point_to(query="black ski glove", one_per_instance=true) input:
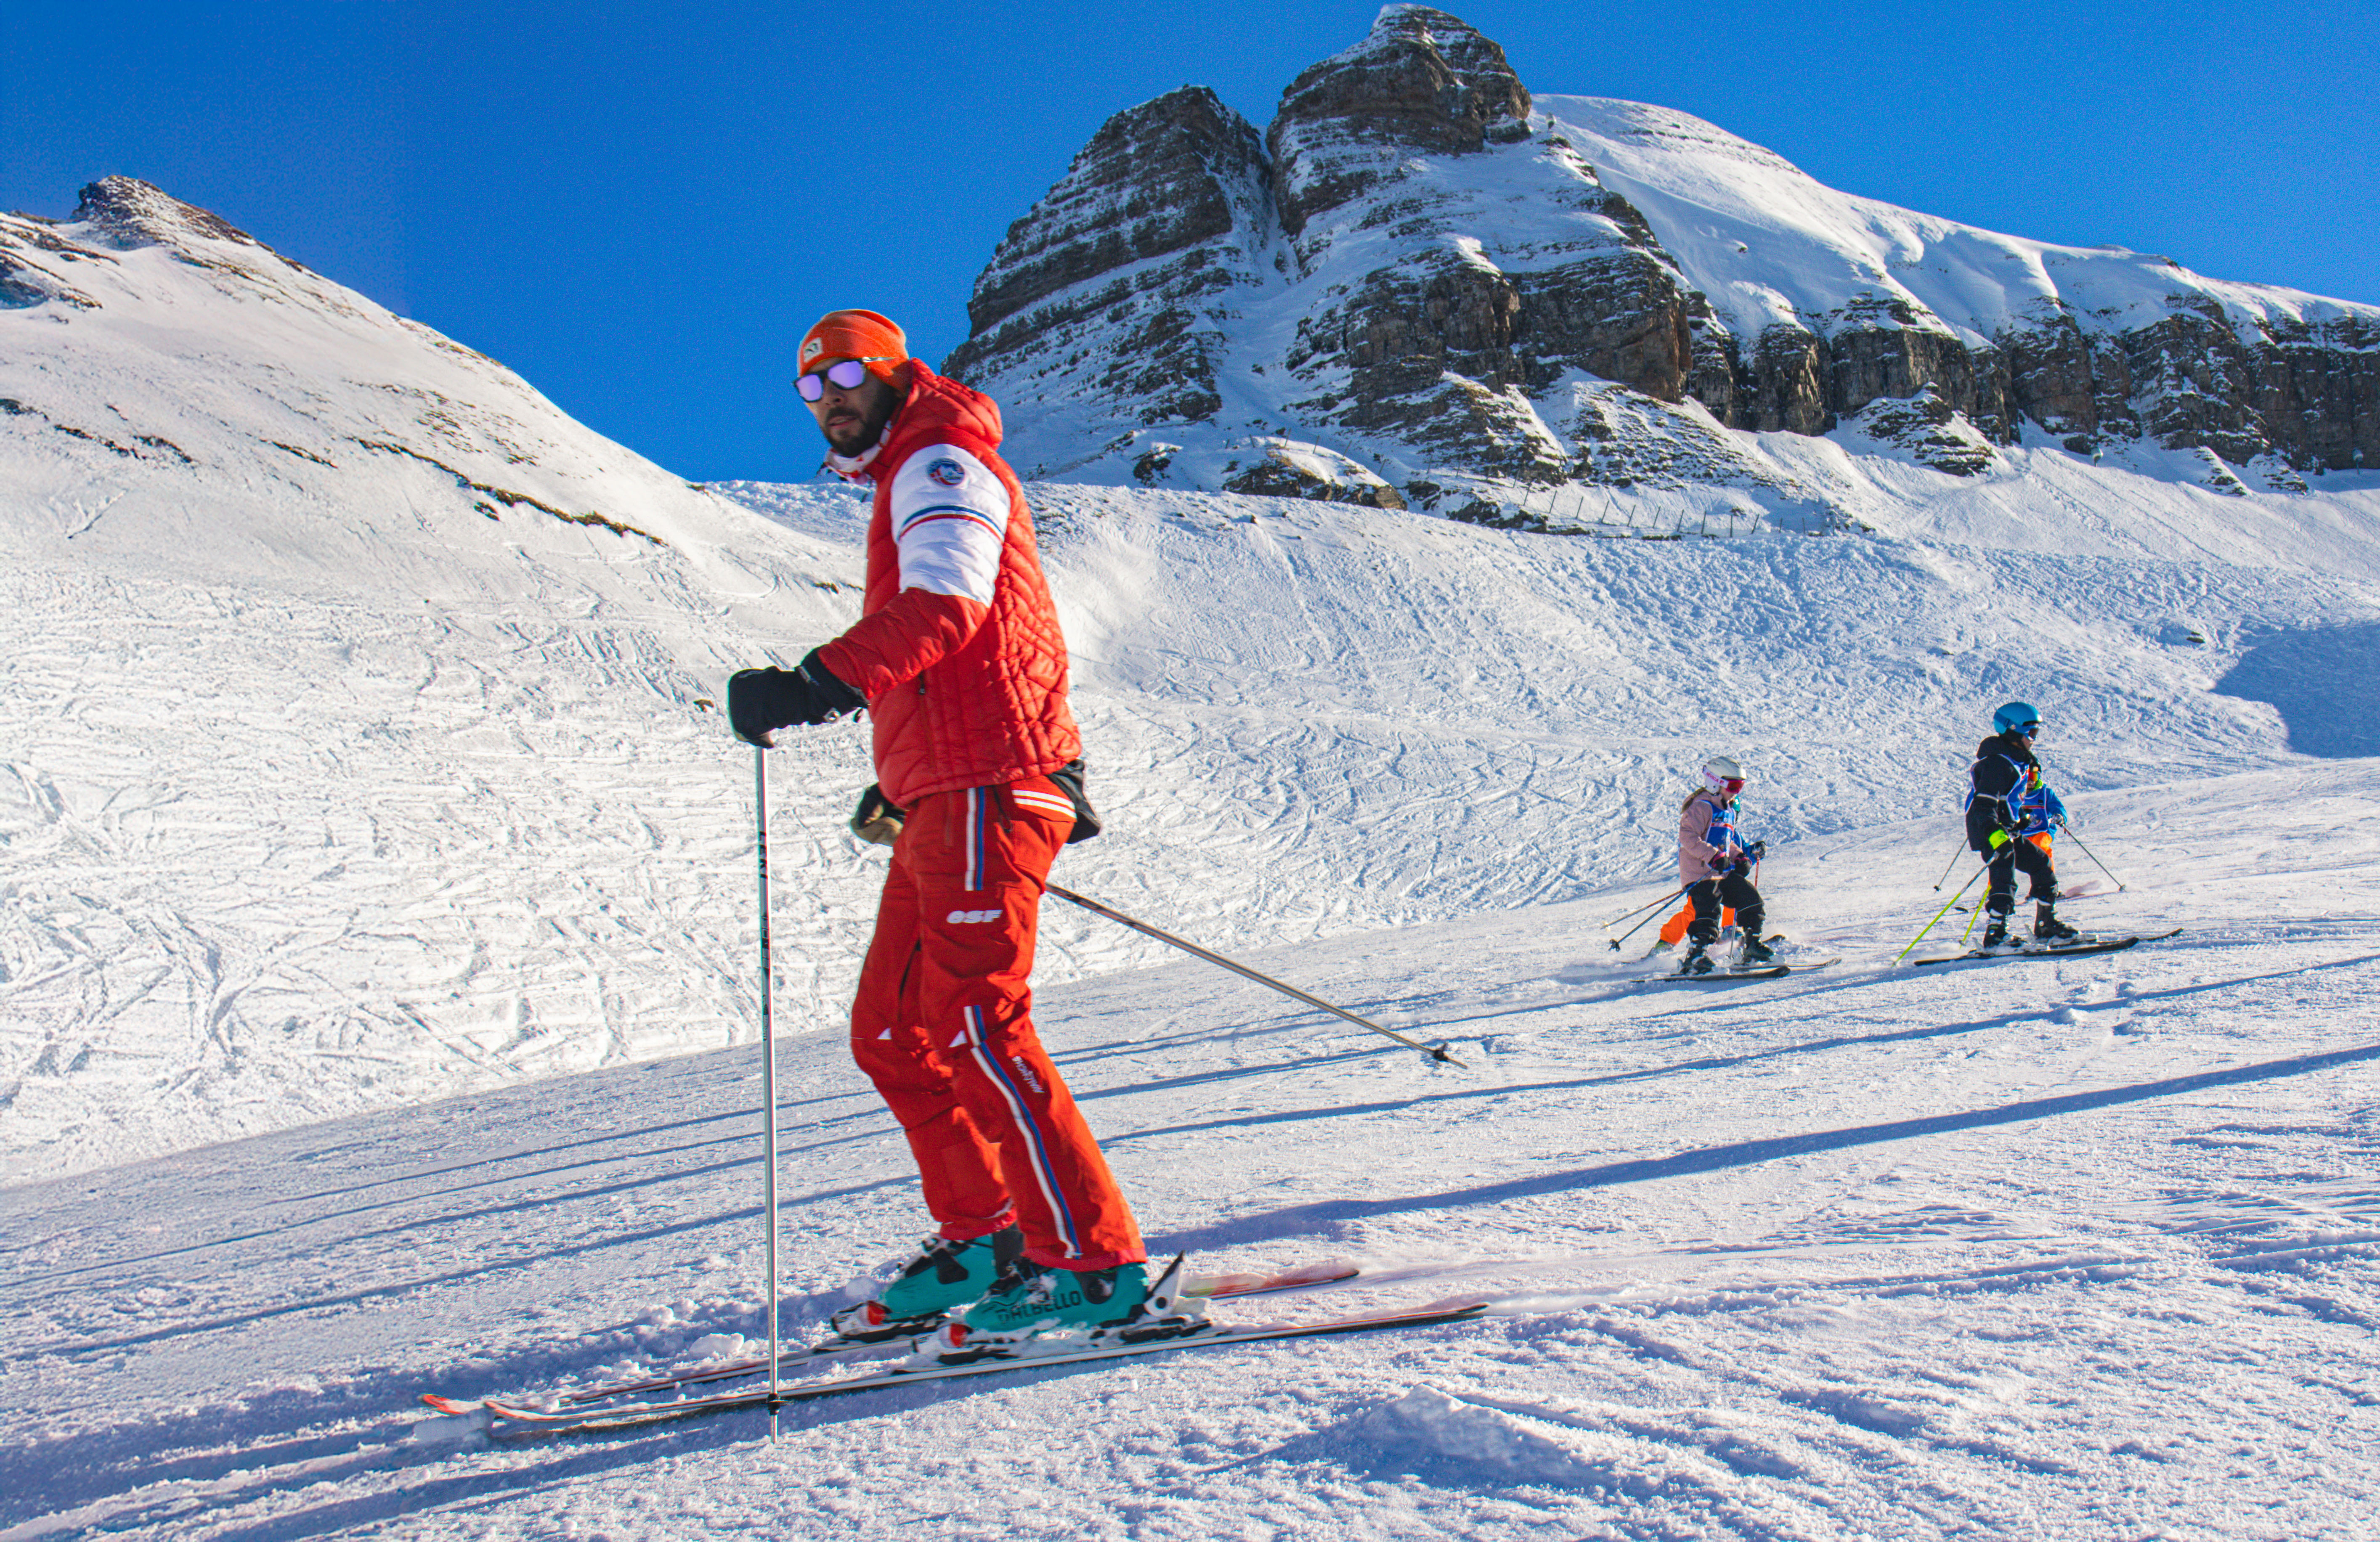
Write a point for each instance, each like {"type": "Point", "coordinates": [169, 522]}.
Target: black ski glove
{"type": "Point", "coordinates": [1070, 778]}
{"type": "Point", "coordinates": [876, 822]}
{"type": "Point", "coordinates": [1757, 850]}
{"type": "Point", "coordinates": [763, 700]}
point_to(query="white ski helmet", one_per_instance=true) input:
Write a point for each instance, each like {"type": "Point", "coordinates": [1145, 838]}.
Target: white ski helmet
{"type": "Point", "coordinates": [1722, 775]}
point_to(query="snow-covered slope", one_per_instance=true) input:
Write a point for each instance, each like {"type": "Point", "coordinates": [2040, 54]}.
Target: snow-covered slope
{"type": "Point", "coordinates": [352, 701]}
{"type": "Point", "coordinates": [2087, 1249]}
{"type": "Point", "coordinates": [329, 790]}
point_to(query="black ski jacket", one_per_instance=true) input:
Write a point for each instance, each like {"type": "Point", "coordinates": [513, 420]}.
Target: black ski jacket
{"type": "Point", "coordinates": [2003, 766]}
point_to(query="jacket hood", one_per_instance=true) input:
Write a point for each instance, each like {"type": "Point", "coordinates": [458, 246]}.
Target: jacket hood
{"type": "Point", "coordinates": [934, 406]}
{"type": "Point", "coordinates": [2013, 746]}
{"type": "Point", "coordinates": [938, 404]}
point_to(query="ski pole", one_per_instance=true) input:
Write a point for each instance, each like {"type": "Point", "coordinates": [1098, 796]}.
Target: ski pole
{"type": "Point", "coordinates": [1946, 869]}
{"type": "Point", "coordinates": [2068, 831]}
{"type": "Point", "coordinates": [1640, 910]}
{"type": "Point", "coordinates": [1435, 1052]}
{"type": "Point", "coordinates": [1939, 913]}
{"type": "Point", "coordinates": [768, 1066]}
{"type": "Point", "coordinates": [1646, 921]}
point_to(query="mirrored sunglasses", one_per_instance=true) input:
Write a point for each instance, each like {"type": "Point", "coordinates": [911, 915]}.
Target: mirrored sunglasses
{"type": "Point", "coordinates": [843, 374]}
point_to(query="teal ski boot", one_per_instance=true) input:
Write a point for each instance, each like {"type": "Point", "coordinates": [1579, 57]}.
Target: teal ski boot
{"type": "Point", "coordinates": [944, 1275]}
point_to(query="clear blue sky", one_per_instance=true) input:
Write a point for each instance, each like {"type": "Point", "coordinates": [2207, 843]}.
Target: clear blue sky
{"type": "Point", "coordinates": [640, 206]}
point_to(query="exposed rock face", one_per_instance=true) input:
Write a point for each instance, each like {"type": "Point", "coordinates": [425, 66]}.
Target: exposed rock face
{"type": "Point", "coordinates": [1933, 432]}
{"type": "Point", "coordinates": [1416, 273]}
{"type": "Point", "coordinates": [2306, 393]}
{"type": "Point", "coordinates": [133, 213]}
{"type": "Point", "coordinates": [1390, 302]}
{"type": "Point", "coordinates": [36, 264]}
{"type": "Point", "coordinates": [1292, 470]}
{"type": "Point", "coordinates": [1109, 302]}
{"type": "Point", "coordinates": [1422, 81]}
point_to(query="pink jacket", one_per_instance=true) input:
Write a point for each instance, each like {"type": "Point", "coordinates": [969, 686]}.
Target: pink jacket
{"type": "Point", "coordinates": [1700, 852]}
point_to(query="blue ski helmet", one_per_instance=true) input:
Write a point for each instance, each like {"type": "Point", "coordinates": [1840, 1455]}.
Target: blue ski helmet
{"type": "Point", "coordinates": [2020, 717]}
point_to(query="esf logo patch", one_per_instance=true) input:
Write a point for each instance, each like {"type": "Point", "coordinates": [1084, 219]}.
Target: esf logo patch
{"type": "Point", "coordinates": [946, 473]}
{"type": "Point", "coordinates": [972, 918]}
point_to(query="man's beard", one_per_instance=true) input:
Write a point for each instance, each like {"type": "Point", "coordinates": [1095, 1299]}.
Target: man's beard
{"type": "Point", "coordinates": [870, 429]}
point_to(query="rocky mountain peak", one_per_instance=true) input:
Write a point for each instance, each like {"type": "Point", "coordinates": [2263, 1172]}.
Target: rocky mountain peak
{"type": "Point", "coordinates": [1156, 179]}
{"type": "Point", "coordinates": [1424, 281]}
{"type": "Point", "coordinates": [1421, 79]}
{"type": "Point", "coordinates": [131, 212]}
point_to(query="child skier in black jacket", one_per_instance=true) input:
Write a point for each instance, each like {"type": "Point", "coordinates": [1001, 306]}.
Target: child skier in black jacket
{"type": "Point", "coordinates": [2004, 773]}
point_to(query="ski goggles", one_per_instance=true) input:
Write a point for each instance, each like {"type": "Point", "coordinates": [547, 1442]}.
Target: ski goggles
{"type": "Point", "coordinates": [2030, 730]}
{"type": "Point", "coordinates": [1731, 784]}
{"type": "Point", "coordinates": [843, 374]}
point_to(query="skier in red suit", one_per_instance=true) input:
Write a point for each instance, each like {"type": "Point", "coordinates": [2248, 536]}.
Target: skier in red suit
{"type": "Point", "coordinates": [959, 661]}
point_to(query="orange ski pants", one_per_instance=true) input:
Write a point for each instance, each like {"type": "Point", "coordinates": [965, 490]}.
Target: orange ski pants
{"type": "Point", "coordinates": [943, 1026]}
{"type": "Point", "coordinates": [1674, 930]}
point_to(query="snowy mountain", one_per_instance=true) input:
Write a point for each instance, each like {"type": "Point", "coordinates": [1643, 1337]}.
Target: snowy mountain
{"type": "Point", "coordinates": [376, 995]}
{"type": "Point", "coordinates": [353, 695]}
{"type": "Point", "coordinates": [1425, 284]}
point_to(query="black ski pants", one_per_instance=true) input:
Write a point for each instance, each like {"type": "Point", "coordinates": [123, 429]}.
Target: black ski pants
{"type": "Point", "coordinates": [2019, 856]}
{"type": "Point", "coordinates": [1734, 891]}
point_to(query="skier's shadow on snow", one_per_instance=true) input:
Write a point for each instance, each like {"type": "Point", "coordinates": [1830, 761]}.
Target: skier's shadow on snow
{"type": "Point", "coordinates": [2325, 683]}
{"type": "Point", "coordinates": [1304, 1219]}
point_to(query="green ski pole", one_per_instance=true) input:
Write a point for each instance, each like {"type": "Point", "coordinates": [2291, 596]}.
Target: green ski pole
{"type": "Point", "coordinates": [1939, 913]}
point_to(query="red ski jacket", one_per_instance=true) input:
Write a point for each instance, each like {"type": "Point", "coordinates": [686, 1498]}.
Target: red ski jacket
{"type": "Point", "coordinates": [957, 648]}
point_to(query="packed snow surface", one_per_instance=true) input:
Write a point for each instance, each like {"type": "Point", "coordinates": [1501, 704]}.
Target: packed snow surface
{"type": "Point", "coordinates": [2043, 1249]}
{"type": "Point", "coordinates": [377, 987]}
{"type": "Point", "coordinates": [2081, 1248]}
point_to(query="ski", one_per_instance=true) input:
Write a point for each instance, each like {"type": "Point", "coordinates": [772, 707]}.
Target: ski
{"type": "Point", "coordinates": [1214, 1287]}
{"type": "Point", "coordinates": [2070, 949]}
{"type": "Point", "coordinates": [536, 1421]}
{"type": "Point", "coordinates": [1763, 972]}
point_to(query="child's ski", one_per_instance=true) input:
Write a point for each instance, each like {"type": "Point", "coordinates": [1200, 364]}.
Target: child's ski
{"type": "Point", "coordinates": [2064, 950]}
{"type": "Point", "coordinates": [1760, 972]}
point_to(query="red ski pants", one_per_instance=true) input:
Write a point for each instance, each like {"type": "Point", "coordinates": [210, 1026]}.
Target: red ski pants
{"type": "Point", "coordinates": [943, 1026]}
